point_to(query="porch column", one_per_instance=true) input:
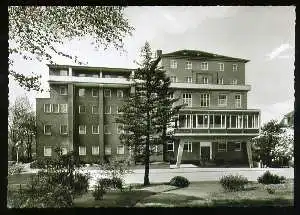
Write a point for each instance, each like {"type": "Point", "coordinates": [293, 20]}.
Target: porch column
{"type": "Point", "coordinates": [249, 153]}
{"type": "Point", "coordinates": [179, 153]}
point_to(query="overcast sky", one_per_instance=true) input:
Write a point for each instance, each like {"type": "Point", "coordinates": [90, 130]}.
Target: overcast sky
{"type": "Point", "coordinates": [264, 35]}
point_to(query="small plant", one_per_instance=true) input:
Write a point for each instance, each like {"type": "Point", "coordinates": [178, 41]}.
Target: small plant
{"type": "Point", "coordinates": [15, 169]}
{"type": "Point", "coordinates": [233, 182]}
{"type": "Point", "coordinates": [179, 181]}
{"type": "Point", "coordinates": [270, 190]}
{"type": "Point", "coordinates": [269, 178]}
{"type": "Point", "coordinates": [99, 189]}
{"type": "Point", "coordinates": [81, 183]}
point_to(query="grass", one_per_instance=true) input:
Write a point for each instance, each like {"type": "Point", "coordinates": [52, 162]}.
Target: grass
{"type": "Point", "coordinates": [19, 178]}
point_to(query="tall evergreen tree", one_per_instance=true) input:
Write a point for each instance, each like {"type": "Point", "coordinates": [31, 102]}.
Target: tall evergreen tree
{"type": "Point", "coordinates": [149, 110]}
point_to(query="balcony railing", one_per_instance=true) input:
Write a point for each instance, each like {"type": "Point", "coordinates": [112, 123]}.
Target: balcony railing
{"type": "Point", "coordinates": [211, 86]}
{"type": "Point", "coordinates": [216, 131]}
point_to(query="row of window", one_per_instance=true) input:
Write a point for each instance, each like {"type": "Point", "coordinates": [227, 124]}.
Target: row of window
{"type": "Point", "coordinates": [82, 129]}
{"type": "Point", "coordinates": [95, 91]}
{"type": "Point", "coordinates": [222, 147]}
{"type": "Point", "coordinates": [56, 108]}
{"type": "Point", "coordinates": [95, 109]}
{"type": "Point", "coordinates": [82, 150]}
{"type": "Point", "coordinates": [205, 100]}
{"type": "Point", "coordinates": [218, 121]}
{"type": "Point", "coordinates": [205, 80]}
{"type": "Point", "coordinates": [64, 72]}
{"type": "Point", "coordinates": [203, 65]}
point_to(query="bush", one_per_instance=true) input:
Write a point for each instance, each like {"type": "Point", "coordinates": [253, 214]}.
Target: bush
{"type": "Point", "coordinates": [179, 181]}
{"type": "Point", "coordinates": [99, 191]}
{"type": "Point", "coordinates": [269, 178]}
{"type": "Point", "coordinates": [81, 183]}
{"type": "Point", "coordinates": [233, 182]}
{"type": "Point", "coordinates": [15, 169]}
{"type": "Point", "coordinates": [270, 189]}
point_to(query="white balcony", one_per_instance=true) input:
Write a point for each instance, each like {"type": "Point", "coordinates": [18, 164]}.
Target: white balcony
{"type": "Point", "coordinates": [210, 86]}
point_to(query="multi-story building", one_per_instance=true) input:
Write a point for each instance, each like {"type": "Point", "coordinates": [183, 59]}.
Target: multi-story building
{"type": "Point", "coordinates": [215, 125]}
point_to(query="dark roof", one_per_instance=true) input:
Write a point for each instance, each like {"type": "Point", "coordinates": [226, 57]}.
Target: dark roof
{"type": "Point", "coordinates": [90, 68]}
{"type": "Point", "coordinates": [201, 54]}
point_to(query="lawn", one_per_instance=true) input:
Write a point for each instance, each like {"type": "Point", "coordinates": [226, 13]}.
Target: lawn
{"type": "Point", "coordinates": [19, 178]}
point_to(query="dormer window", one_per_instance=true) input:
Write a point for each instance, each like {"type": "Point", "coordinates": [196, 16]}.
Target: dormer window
{"type": "Point", "coordinates": [204, 66]}
{"type": "Point", "coordinates": [188, 65]}
{"type": "Point", "coordinates": [173, 64]}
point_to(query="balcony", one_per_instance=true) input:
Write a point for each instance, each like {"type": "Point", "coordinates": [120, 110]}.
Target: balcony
{"type": "Point", "coordinates": [216, 132]}
{"type": "Point", "coordinates": [210, 86]}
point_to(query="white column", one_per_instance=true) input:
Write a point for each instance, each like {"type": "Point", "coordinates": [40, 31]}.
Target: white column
{"type": "Point", "coordinates": [196, 120]}
{"type": "Point", "coordinates": [191, 121]}
{"type": "Point", "coordinates": [101, 74]}
{"type": "Point", "coordinates": [221, 121]}
{"type": "Point", "coordinates": [179, 153]}
{"type": "Point", "coordinates": [70, 71]}
{"type": "Point", "coordinates": [247, 120]}
{"type": "Point", "coordinates": [229, 121]}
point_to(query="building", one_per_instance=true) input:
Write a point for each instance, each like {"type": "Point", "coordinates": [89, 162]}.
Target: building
{"type": "Point", "coordinates": [288, 120]}
{"type": "Point", "coordinates": [213, 128]}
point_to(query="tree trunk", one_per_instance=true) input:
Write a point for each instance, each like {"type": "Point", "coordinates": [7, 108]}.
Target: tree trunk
{"type": "Point", "coordinates": [147, 152]}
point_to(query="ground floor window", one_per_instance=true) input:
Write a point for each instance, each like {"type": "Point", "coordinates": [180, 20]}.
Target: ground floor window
{"type": "Point", "coordinates": [187, 146]}
{"type": "Point", "coordinates": [82, 150]}
{"type": "Point", "coordinates": [95, 150]}
{"type": "Point", "coordinates": [47, 151]}
{"type": "Point", "coordinates": [120, 149]}
{"type": "Point", "coordinates": [222, 147]}
{"type": "Point", "coordinates": [170, 147]}
{"type": "Point", "coordinates": [64, 150]}
{"type": "Point", "coordinates": [107, 150]}
{"type": "Point", "coordinates": [237, 146]}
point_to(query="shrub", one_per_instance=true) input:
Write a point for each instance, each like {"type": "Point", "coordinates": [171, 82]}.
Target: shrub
{"type": "Point", "coordinates": [270, 189]}
{"type": "Point", "coordinates": [233, 182]}
{"type": "Point", "coordinates": [179, 181]}
{"type": "Point", "coordinates": [99, 191]}
{"type": "Point", "coordinates": [269, 178]}
{"type": "Point", "coordinates": [15, 169]}
{"type": "Point", "coordinates": [81, 183]}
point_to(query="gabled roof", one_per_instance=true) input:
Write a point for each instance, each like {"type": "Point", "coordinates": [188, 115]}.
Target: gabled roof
{"type": "Point", "coordinates": [201, 54]}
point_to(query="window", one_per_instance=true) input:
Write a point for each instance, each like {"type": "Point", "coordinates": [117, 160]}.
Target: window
{"type": "Point", "coordinates": [81, 75]}
{"type": "Point", "coordinates": [106, 129]}
{"type": "Point", "coordinates": [107, 150]}
{"type": "Point", "coordinates": [171, 95]}
{"type": "Point", "coordinates": [222, 147]}
{"type": "Point", "coordinates": [64, 150]}
{"type": "Point", "coordinates": [202, 121]}
{"type": "Point", "coordinates": [107, 93]}
{"type": "Point", "coordinates": [204, 100]}
{"type": "Point", "coordinates": [47, 129]}
{"type": "Point", "coordinates": [82, 129]}
{"type": "Point", "coordinates": [63, 90]}
{"type": "Point", "coordinates": [119, 110]}
{"type": "Point", "coordinates": [188, 79]}
{"type": "Point", "coordinates": [47, 108]}
{"type": "Point", "coordinates": [170, 146]}
{"type": "Point", "coordinates": [120, 149]}
{"type": "Point", "coordinates": [187, 146]}
{"type": "Point", "coordinates": [55, 108]}
{"type": "Point", "coordinates": [173, 64]}
{"type": "Point", "coordinates": [187, 99]}
{"type": "Point", "coordinates": [222, 101]}
{"type": "Point", "coordinates": [63, 108]}
{"type": "Point", "coordinates": [205, 80]}
{"type": "Point", "coordinates": [238, 101]}
{"type": "Point", "coordinates": [234, 67]}
{"type": "Point", "coordinates": [188, 65]}
{"type": "Point", "coordinates": [82, 109]}
{"type": "Point", "coordinates": [173, 79]}
{"type": "Point", "coordinates": [63, 72]}
{"type": "Point", "coordinates": [220, 81]}
{"type": "Point", "coordinates": [240, 121]}
{"type": "Point", "coordinates": [47, 151]}
{"type": "Point", "coordinates": [219, 121]}
{"type": "Point", "coordinates": [237, 146]}
{"type": "Point", "coordinates": [185, 121]}
{"type": "Point", "coordinates": [95, 129]}
{"type": "Point", "coordinates": [234, 82]}
{"type": "Point", "coordinates": [95, 76]}
{"type": "Point", "coordinates": [221, 66]}
{"type": "Point", "coordinates": [120, 93]}
{"type": "Point", "coordinates": [94, 92]}
{"type": "Point", "coordinates": [63, 129]}
{"type": "Point", "coordinates": [82, 150]}
{"type": "Point", "coordinates": [95, 150]}
{"type": "Point", "coordinates": [107, 110]}
{"type": "Point", "coordinates": [120, 128]}
{"type": "Point", "coordinates": [81, 92]}
{"type": "Point", "coordinates": [95, 109]}
{"type": "Point", "coordinates": [233, 121]}
{"type": "Point", "coordinates": [155, 149]}
{"type": "Point", "coordinates": [204, 66]}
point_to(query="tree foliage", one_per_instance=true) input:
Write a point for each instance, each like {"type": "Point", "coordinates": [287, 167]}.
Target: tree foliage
{"type": "Point", "coordinates": [148, 111]}
{"type": "Point", "coordinates": [37, 31]}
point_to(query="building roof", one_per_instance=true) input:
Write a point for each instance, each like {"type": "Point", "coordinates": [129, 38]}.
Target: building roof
{"type": "Point", "coordinates": [90, 68]}
{"type": "Point", "coordinates": [290, 119]}
{"type": "Point", "coordinates": [202, 54]}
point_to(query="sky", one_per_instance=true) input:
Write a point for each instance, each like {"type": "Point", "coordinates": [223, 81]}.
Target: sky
{"type": "Point", "coordinates": [265, 35]}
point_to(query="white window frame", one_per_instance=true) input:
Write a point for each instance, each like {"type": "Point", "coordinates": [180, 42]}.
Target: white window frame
{"type": "Point", "coordinates": [206, 98]}
{"type": "Point", "coordinates": [95, 150]}
{"type": "Point", "coordinates": [173, 79]}
{"type": "Point", "coordinates": [118, 150]}
{"type": "Point", "coordinates": [98, 129]}
{"type": "Point", "coordinates": [234, 67]}
{"type": "Point", "coordinates": [105, 93]}
{"type": "Point", "coordinates": [106, 129]}
{"type": "Point", "coordinates": [66, 90]}
{"type": "Point", "coordinates": [188, 79]}
{"type": "Point", "coordinates": [80, 131]}
{"type": "Point", "coordinates": [118, 112]}
{"type": "Point", "coordinates": [82, 150]}
{"type": "Point", "coordinates": [188, 65]}
{"type": "Point", "coordinates": [80, 107]}
{"type": "Point", "coordinates": [64, 150]}
{"type": "Point", "coordinates": [66, 108]}
{"type": "Point", "coordinates": [107, 150]}
{"type": "Point", "coordinates": [225, 103]}
{"type": "Point", "coordinates": [221, 67]}
{"type": "Point", "coordinates": [122, 93]}
{"type": "Point", "coordinates": [63, 71]}
{"type": "Point", "coordinates": [238, 149]}
{"type": "Point", "coordinates": [205, 80]}
{"type": "Point", "coordinates": [190, 146]}
{"type": "Point", "coordinates": [204, 116]}
{"type": "Point", "coordinates": [173, 64]}
{"type": "Point", "coordinates": [93, 112]}
{"type": "Point", "coordinates": [187, 100]}
{"type": "Point", "coordinates": [204, 66]}
{"type": "Point", "coordinates": [234, 81]}
{"type": "Point", "coordinates": [222, 150]}
{"type": "Point", "coordinates": [48, 154]}
{"type": "Point", "coordinates": [93, 90]}
{"type": "Point", "coordinates": [118, 130]}
{"type": "Point", "coordinates": [57, 108]}
{"type": "Point", "coordinates": [170, 143]}
{"type": "Point", "coordinates": [155, 149]}
{"type": "Point", "coordinates": [61, 130]}
{"type": "Point", "coordinates": [220, 81]}
{"type": "Point", "coordinates": [45, 130]}
{"type": "Point", "coordinates": [238, 105]}
{"type": "Point", "coordinates": [105, 109]}
{"type": "Point", "coordinates": [50, 105]}
{"type": "Point", "coordinates": [81, 92]}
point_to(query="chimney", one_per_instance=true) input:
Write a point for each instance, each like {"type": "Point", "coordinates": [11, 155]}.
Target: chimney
{"type": "Point", "coordinates": [158, 53]}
